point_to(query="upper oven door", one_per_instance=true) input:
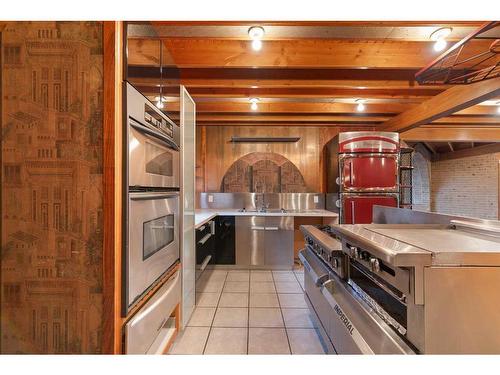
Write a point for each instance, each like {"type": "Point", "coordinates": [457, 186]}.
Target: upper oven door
{"type": "Point", "coordinates": [152, 161]}
{"type": "Point", "coordinates": [369, 172]}
{"type": "Point", "coordinates": [153, 240]}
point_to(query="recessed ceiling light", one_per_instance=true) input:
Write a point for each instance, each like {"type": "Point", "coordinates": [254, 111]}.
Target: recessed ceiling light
{"type": "Point", "coordinates": [256, 44]}
{"type": "Point", "coordinates": [441, 33]}
{"type": "Point", "coordinates": [439, 36]}
{"type": "Point", "coordinates": [254, 102]}
{"type": "Point", "coordinates": [256, 32]}
{"type": "Point", "coordinates": [440, 45]}
{"type": "Point", "coordinates": [361, 105]}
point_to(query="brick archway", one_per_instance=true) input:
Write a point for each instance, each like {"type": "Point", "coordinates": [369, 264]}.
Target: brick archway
{"type": "Point", "coordinates": [263, 172]}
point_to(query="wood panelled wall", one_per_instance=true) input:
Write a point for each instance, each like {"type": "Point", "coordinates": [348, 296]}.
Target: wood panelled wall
{"type": "Point", "coordinates": [52, 187]}
{"type": "Point", "coordinates": [215, 153]}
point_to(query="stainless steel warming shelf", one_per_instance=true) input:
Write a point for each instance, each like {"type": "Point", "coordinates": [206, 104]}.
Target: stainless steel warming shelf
{"type": "Point", "coordinates": [427, 244]}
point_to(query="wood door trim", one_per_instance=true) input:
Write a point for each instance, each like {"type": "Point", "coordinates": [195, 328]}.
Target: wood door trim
{"type": "Point", "coordinates": [111, 326]}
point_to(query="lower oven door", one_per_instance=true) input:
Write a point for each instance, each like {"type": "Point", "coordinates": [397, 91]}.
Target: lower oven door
{"type": "Point", "coordinates": [153, 240]}
{"type": "Point", "coordinates": [315, 274]}
{"type": "Point", "coordinates": [358, 208]}
{"type": "Point", "coordinates": [355, 327]}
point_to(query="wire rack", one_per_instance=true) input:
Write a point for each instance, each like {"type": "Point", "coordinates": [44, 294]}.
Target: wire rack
{"type": "Point", "coordinates": [467, 61]}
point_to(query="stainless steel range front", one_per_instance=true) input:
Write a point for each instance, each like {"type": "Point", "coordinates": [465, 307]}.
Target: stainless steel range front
{"type": "Point", "coordinates": [405, 288]}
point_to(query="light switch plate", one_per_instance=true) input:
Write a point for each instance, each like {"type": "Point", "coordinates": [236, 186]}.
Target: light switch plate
{"type": "Point", "coordinates": [210, 198]}
{"type": "Point", "coordinates": [316, 199]}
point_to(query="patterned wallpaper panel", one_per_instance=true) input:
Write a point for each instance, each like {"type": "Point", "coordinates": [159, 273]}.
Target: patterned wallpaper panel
{"type": "Point", "coordinates": [51, 171]}
{"type": "Point", "coordinates": [263, 172]}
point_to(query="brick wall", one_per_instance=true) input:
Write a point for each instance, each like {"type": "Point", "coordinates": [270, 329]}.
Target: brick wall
{"type": "Point", "coordinates": [467, 186]}
{"type": "Point", "coordinates": [421, 196]}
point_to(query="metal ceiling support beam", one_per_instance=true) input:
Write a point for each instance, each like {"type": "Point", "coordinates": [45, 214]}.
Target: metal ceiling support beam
{"type": "Point", "coordinates": [430, 148]}
{"type": "Point", "coordinates": [450, 101]}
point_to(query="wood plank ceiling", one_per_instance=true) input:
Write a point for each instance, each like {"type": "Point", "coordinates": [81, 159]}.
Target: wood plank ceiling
{"type": "Point", "coordinates": [307, 73]}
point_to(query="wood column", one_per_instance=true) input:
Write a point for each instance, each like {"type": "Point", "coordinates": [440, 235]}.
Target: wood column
{"type": "Point", "coordinates": [113, 77]}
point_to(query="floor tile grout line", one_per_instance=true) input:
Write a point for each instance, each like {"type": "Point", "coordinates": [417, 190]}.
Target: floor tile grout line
{"type": "Point", "coordinates": [282, 316]}
{"type": "Point", "coordinates": [215, 313]}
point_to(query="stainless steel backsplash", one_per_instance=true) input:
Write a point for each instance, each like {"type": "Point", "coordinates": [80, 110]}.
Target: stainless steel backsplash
{"type": "Point", "coordinates": [252, 201]}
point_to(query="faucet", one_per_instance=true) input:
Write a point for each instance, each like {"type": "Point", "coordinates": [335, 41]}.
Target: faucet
{"type": "Point", "coordinates": [263, 207]}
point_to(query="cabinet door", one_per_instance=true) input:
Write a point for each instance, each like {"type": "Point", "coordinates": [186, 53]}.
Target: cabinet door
{"type": "Point", "coordinates": [377, 172]}
{"type": "Point", "coordinates": [279, 241]}
{"type": "Point", "coordinates": [250, 240]}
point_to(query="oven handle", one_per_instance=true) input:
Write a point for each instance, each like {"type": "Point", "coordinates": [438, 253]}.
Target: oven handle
{"type": "Point", "coordinates": [153, 133]}
{"type": "Point", "coordinates": [163, 227]}
{"type": "Point", "coordinates": [136, 196]}
{"type": "Point", "coordinates": [205, 262]}
{"type": "Point", "coordinates": [318, 276]}
{"type": "Point", "coordinates": [204, 239]}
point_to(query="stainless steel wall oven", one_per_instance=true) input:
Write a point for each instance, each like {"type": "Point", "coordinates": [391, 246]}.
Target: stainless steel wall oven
{"type": "Point", "coordinates": [151, 197]}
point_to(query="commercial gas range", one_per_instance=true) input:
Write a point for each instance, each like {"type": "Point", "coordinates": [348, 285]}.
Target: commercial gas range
{"type": "Point", "coordinates": [405, 288]}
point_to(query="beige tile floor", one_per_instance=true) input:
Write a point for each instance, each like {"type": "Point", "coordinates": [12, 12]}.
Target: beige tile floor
{"type": "Point", "coordinates": [249, 312]}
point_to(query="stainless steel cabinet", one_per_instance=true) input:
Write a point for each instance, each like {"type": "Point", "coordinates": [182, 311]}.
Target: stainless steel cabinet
{"type": "Point", "coordinates": [279, 241]}
{"type": "Point", "coordinates": [264, 241]}
{"type": "Point", "coordinates": [250, 240]}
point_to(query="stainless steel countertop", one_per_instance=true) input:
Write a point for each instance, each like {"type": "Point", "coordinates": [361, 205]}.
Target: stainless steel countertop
{"type": "Point", "coordinates": [203, 215]}
{"type": "Point", "coordinates": [424, 244]}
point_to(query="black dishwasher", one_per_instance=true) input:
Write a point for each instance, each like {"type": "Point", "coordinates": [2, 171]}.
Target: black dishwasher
{"type": "Point", "coordinates": [224, 240]}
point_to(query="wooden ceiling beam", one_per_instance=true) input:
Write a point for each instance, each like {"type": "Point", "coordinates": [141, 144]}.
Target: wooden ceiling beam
{"type": "Point", "coordinates": [347, 126]}
{"type": "Point", "coordinates": [313, 23]}
{"type": "Point", "coordinates": [310, 53]}
{"type": "Point", "coordinates": [301, 108]}
{"type": "Point", "coordinates": [287, 118]}
{"type": "Point", "coordinates": [452, 134]}
{"type": "Point", "coordinates": [414, 94]}
{"type": "Point", "coordinates": [452, 100]}
{"type": "Point", "coordinates": [314, 82]}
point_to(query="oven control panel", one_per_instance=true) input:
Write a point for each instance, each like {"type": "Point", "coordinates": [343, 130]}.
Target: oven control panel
{"type": "Point", "coordinates": [153, 118]}
{"type": "Point", "coordinates": [335, 259]}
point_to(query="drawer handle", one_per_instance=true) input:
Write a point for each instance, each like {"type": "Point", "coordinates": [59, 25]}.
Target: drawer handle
{"type": "Point", "coordinates": [258, 228]}
{"type": "Point", "coordinates": [272, 228]}
{"type": "Point", "coordinates": [205, 262]}
{"type": "Point", "coordinates": [204, 239]}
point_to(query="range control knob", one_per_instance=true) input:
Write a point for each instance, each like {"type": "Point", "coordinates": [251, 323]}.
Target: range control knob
{"type": "Point", "coordinates": [354, 252]}
{"type": "Point", "coordinates": [309, 240]}
{"type": "Point", "coordinates": [375, 264]}
{"type": "Point", "coordinates": [335, 263]}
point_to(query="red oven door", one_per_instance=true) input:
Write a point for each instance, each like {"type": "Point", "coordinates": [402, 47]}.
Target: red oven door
{"type": "Point", "coordinates": [369, 173]}
{"type": "Point", "coordinates": [358, 209]}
